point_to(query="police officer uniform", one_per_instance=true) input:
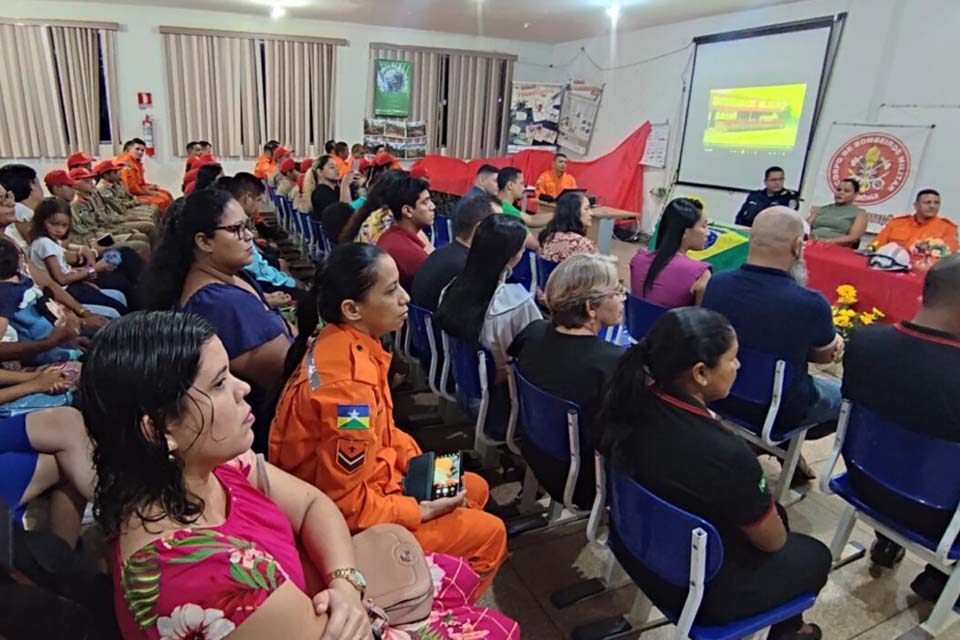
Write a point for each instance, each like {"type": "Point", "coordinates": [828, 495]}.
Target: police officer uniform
{"type": "Point", "coordinates": [759, 200]}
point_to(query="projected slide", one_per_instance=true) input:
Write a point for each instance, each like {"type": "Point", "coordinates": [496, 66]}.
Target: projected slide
{"type": "Point", "coordinates": [754, 118]}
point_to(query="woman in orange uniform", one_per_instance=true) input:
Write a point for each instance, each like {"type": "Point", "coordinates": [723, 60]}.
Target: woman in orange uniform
{"type": "Point", "coordinates": [334, 423]}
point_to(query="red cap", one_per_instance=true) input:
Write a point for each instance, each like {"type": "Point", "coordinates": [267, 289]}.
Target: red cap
{"type": "Point", "coordinates": [107, 165]}
{"type": "Point", "coordinates": [190, 176]}
{"type": "Point", "coordinates": [384, 158]}
{"type": "Point", "coordinates": [79, 173]}
{"type": "Point", "coordinates": [364, 165]}
{"type": "Point", "coordinates": [78, 158]}
{"type": "Point", "coordinates": [288, 165]}
{"type": "Point", "coordinates": [280, 152]}
{"type": "Point", "coordinates": [419, 171]}
{"type": "Point", "coordinates": [57, 178]}
{"type": "Point", "coordinates": [306, 164]}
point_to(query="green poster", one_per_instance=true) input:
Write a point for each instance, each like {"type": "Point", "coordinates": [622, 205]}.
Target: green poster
{"type": "Point", "coordinates": [392, 90]}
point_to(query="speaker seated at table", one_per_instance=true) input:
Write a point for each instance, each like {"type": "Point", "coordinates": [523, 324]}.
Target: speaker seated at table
{"type": "Point", "coordinates": [842, 222]}
{"type": "Point", "coordinates": [925, 234]}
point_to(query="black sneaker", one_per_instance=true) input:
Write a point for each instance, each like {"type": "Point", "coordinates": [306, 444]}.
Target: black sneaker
{"type": "Point", "coordinates": [886, 553]}
{"type": "Point", "coordinates": [929, 584]}
{"type": "Point", "coordinates": [815, 633]}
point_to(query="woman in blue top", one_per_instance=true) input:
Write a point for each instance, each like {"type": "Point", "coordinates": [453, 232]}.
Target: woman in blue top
{"type": "Point", "coordinates": [199, 268]}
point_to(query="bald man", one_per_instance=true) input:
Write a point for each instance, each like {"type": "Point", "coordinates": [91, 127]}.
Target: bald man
{"type": "Point", "coordinates": [919, 393]}
{"type": "Point", "coordinates": [772, 311]}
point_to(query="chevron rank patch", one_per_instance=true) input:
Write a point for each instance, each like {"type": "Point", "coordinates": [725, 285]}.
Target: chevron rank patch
{"type": "Point", "coordinates": [353, 417]}
{"type": "Point", "coordinates": [351, 454]}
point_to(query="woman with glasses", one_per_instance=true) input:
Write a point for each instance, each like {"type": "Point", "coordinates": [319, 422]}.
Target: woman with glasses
{"type": "Point", "coordinates": [199, 268]}
{"type": "Point", "coordinates": [563, 356]}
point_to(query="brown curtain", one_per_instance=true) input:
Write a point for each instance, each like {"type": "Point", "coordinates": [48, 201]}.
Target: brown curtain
{"type": "Point", "coordinates": [475, 105]}
{"type": "Point", "coordinates": [426, 87]}
{"type": "Point", "coordinates": [108, 44]}
{"type": "Point", "coordinates": [76, 51]}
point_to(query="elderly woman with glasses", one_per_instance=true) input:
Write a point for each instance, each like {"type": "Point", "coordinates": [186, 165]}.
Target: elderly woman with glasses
{"type": "Point", "coordinates": [564, 357]}
{"type": "Point", "coordinates": [199, 268]}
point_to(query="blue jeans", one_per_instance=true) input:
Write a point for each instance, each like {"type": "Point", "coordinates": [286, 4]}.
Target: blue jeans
{"type": "Point", "coordinates": [826, 407]}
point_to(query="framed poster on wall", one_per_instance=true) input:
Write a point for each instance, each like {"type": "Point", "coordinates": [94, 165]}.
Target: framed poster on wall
{"type": "Point", "coordinates": [534, 116]}
{"type": "Point", "coordinates": [392, 88]}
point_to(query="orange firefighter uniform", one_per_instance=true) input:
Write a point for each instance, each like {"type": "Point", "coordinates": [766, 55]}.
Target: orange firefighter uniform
{"type": "Point", "coordinates": [907, 231]}
{"type": "Point", "coordinates": [551, 184]}
{"type": "Point", "coordinates": [334, 429]}
{"type": "Point", "coordinates": [136, 183]}
{"type": "Point", "coordinates": [265, 167]}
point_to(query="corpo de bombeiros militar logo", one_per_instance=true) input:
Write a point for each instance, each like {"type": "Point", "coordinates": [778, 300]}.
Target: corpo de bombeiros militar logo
{"type": "Point", "coordinates": [880, 162]}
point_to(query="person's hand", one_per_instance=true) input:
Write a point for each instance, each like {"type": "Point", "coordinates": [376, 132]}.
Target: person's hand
{"type": "Point", "coordinates": [348, 618]}
{"type": "Point", "coordinates": [103, 265]}
{"type": "Point", "coordinates": [430, 509]}
{"type": "Point", "coordinates": [838, 348]}
{"type": "Point", "coordinates": [52, 380]}
{"type": "Point", "coordinates": [95, 320]}
{"type": "Point", "coordinates": [277, 299]}
{"type": "Point", "coordinates": [89, 257]}
{"type": "Point", "coordinates": [66, 329]}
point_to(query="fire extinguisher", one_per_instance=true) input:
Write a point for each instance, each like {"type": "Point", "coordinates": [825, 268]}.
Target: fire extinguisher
{"type": "Point", "coordinates": [147, 126]}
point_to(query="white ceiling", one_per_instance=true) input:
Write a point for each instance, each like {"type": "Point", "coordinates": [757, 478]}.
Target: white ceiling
{"type": "Point", "coordinates": [532, 20]}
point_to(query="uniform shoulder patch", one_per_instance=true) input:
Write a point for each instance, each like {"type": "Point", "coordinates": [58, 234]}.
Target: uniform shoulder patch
{"type": "Point", "coordinates": [353, 417]}
{"type": "Point", "coordinates": [351, 454]}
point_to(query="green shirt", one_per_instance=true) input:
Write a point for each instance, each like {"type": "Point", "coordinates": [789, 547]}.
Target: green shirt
{"type": "Point", "coordinates": [511, 210]}
{"type": "Point", "coordinates": [834, 220]}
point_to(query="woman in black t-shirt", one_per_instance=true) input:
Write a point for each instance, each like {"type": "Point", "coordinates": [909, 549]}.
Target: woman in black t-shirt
{"type": "Point", "coordinates": [657, 428]}
{"type": "Point", "coordinates": [320, 187]}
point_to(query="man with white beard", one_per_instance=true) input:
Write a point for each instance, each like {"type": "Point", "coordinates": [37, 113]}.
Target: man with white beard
{"type": "Point", "coordinates": [772, 311]}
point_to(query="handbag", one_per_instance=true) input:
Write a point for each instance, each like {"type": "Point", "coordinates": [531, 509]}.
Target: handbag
{"type": "Point", "coordinates": [398, 578]}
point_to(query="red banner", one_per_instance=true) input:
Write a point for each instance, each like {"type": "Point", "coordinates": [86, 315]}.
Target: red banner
{"type": "Point", "coordinates": [616, 179]}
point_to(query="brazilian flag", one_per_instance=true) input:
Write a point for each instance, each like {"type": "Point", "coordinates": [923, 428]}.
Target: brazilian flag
{"type": "Point", "coordinates": [353, 417]}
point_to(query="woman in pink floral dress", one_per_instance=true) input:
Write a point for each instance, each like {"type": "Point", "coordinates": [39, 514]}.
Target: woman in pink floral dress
{"type": "Point", "coordinates": [565, 234]}
{"type": "Point", "coordinates": [201, 552]}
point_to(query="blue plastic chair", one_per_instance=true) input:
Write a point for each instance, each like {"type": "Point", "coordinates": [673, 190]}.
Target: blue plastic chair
{"type": "Point", "coordinates": [322, 244]}
{"type": "Point", "coordinates": [639, 316]}
{"type": "Point", "coordinates": [473, 370]}
{"type": "Point", "coordinates": [441, 232]}
{"type": "Point", "coordinates": [679, 547]}
{"type": "Point", "coordinates": [553, 425]}
{"type": "Point", "coordinates": [421, 344]}
{"type": "Point", "coordinates": [525, 273]}
{"type": "Point", "coordinates": [918, 468]}
{"type": "Point", "coordinates": [544, 269]}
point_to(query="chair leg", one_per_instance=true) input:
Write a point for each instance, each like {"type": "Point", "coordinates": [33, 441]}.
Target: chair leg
{"type": "Point", "coordinates": [556, 510]}
{"type": "Point", "coordinates": [528, 500]}
{"type": "Point", "coordinates": [782, 492]}
{"type": "Point", "coordinates": [842, 535]}
{"type": "Point", "coordinates": [942, 613]}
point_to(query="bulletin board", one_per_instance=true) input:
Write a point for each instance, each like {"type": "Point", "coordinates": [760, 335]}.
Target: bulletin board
{"type": "Point", "coordinates": [534, 116]}
{"type": "Point", "coordinates": [581, 103]}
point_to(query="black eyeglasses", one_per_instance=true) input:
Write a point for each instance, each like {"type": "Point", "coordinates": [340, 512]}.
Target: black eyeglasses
{"type": "Point", "coordinates": [238, 229]}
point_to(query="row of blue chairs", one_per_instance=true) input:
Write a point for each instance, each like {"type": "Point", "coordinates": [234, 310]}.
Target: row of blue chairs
{"type": "Point", "coordinates": [301, 227]}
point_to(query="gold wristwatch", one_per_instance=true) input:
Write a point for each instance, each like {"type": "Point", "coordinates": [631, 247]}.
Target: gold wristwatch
{"type": "Point", "coordinates": [351, 575]}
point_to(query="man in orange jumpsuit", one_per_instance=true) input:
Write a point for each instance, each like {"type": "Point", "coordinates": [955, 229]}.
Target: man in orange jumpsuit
{"type": "Point", "coordinates": [265, 164]}
{"type": "Point", "coordinates": [553, 182]}
{"type": "Point", "coordinates": [341, 155]}
{"type": "Point", "coordinates": [923, 224]}
{"type": "Point", "coordinates": [134, 179]}
{"type": "Point", "coordinates": [334, 428]}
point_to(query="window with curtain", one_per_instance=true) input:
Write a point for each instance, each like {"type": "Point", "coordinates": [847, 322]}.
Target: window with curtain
{"type": "Point", "coordinates": [239, 90]}
{"type": "Point", "coordinates": [463, 96]}
{"type": "Point", "coordinates": [68, 102]}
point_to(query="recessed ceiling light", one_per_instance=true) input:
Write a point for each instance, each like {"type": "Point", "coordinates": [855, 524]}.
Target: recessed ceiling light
{"type": "Point", "coordinates": [277, 12]}
{"type": "Point", "coordinates": [526, 25]}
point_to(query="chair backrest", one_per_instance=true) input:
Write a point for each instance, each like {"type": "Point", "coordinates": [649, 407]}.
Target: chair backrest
{"type": "Point", "coordinates": [417, 323]}
{"type": "Point", "coordinates": [441, 231]}
{"type": "Point", "coordinates": [755, 379]}
{"type": "Point", "coordinates": [918, 467]}
{"type": "Point", "coordinates": [543, 417]}
{"type": "Point", "coordinates": [640, 316]}
{"type": "Point", "coordinates": [523, 272]}
{"type": "Point", "coordinates": [544, 269]}
{"type": "Point", "coordinates": [656, 533]}
{"type": "Point", "coordinates": [465, 366]}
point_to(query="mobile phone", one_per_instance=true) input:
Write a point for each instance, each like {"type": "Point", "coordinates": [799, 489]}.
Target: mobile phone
{"type": "Point", "coordinates": [356, 166]}
{"type": "Point", "coordinates": [105, 240]}
{"type": "Point", "coordinates": [447, 475]}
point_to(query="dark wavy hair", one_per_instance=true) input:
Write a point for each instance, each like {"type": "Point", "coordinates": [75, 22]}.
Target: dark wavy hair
{"type": "Point", "coordinates": [47, 208]}
{"type": "Point", "coordinates": [207, 175]}
{"type": "Point", "coordinates": [566, 218]}
{"type": "Point", "coordinates": [677, 341]}
{"type": "Point", "coordinates": [141, 366]}
{"type": "Point", "coordinates": [162, 281]}
{"type": "Point", "coordinates": [379, 186]}
{"type": "Point", "coordinates": [679, 215]}
{"type": "Point", "coordinates": [464, 305]}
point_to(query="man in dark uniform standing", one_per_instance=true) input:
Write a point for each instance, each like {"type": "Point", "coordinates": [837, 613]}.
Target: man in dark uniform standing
{"type": "Point", "coordinates": [773, 194]}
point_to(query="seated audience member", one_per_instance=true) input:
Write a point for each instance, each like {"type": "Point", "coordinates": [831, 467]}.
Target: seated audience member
{"type": "Point", "coordinates": [484, 183]}
{"type": "Point", "coordinates": [265, 163]}
{"type": "Point", "coordinates": [511, 188]}
{"type": "Point", "coordinates": [565, 234]}
{"type": "Point", "coordinates": [341, 155]}
{"type": "Point", "coordinates": [135, 180]}
{"type": "Point", "coordinates": [207, 176]}
{"type": "Point", "coordinates": [22, 182]}
{"type": "Point", "coordinates": [88, 198]}
{"type": "Point", "coordinates": [333, 218]}
{"type": "Point", "coordinates": [842, 222]}
{"type": "Point", "coordinates": [342, 373]}
{"type": "Point", "coordinates": [199, 268]}
{"type": "Point", "coordinates": [922, 226]}
{"type": "Point", "coordinates": [296, 193]}
{"type": "Point", "coordinates": [657, 428]}
{"type": "Point", "coordinates": [372, 217]}
{"type": "Point", "coordinates": [289, 172]}
{"type": "Point", "coordinates": [116, 196]}
{"type": "Point", "coordinates": [413, 211]}
{"type": "Point", "coordinates": [280, 155]}
{"type": "Point", "coordinates": [357, 153]}
{"type": "Point", "coordinates": [666, 276]}
{"type": "Point", "coordinates": [564, 356]}
{"type": "Point", "coordinates": [92, 220]}
{"type": "Point", "coordinates": [80, 160]}
{"type": "Point", "coordinates": [47, 451]}
{"type": "Point", "coordinates": [555, 180]}
{"type": "Point", "coordinates": [447, 262]}
{"type": "Point", "coordinates": [320, 187]}
{"type": "Point", "coordinates": [918, 394]}
{"type": "Point", "coordinates": [48, 253]}
{"type": "Point", "coordinates": [772, 195]}
{"type": "Point", "coordinates": [160, 393]}
{"type": "Point", "coordinates": [193, 150]}
{"type": "Point", "coordinates": [60, 185]}
{"type": "Point", "coordinates": [767, 303]}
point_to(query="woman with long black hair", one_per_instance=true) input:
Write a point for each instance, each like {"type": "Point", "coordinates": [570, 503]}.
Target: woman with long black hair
{"type": "Point", "coordinates": [656, 427]}
{"type": "Point", "coordinates": [565, 234]}
{"type": "Point", "coordinates": [666, 276]}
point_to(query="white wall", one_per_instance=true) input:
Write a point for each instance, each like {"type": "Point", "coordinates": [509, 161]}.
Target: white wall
{"type": "Point", "coordinates": [892, 52]}
{"type": "Point", "coordinates": [141, 64]}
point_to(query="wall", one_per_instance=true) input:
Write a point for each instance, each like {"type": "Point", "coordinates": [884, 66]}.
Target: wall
{"type": "Point", "coordinates": [892, 52]}
{"type": "Point", "coordinates": [141, 64]}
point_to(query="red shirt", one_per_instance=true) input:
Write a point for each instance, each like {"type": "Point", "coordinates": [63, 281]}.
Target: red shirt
{"type": "Point", "coordinates": [406, 249]}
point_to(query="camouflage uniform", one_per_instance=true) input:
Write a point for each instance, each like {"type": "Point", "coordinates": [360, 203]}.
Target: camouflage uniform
{"type": "Point", "coordinates": [122, 202]}
{"type": "Point", "coordinates": [92, 218]}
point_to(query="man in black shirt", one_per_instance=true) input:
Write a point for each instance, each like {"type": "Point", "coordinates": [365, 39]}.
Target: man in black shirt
{"type": "Point", "coordinates": [773, 194]}
{"type": "Point", "coordinates": [447, 262]}
{"type": "Point", "coordinates": [918, 392]}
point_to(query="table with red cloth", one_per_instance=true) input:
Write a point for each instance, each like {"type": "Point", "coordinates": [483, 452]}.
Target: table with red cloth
{"type": "Point", "coordinates": [897, 295]}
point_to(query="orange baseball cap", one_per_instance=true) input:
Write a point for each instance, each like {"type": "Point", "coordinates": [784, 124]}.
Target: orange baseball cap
{"type": "Point", "coordinates": [79, 173]}
{"type": "Point", "coordinates": [280, 152]}
{"type": "Point", "coordinates": [107, 165]}
{"type": "Point", "coordinates": [79, 158]}
{"type": "Point", "coordinates": [57, 178]}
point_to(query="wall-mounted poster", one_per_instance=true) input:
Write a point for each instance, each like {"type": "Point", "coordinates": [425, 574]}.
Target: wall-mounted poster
{"type": "Point", "coordinates": [392, 88]}
{"type": "Point", "coordinates": [581, 102]}
{"type": "Point", "coordinates": [534, 116]}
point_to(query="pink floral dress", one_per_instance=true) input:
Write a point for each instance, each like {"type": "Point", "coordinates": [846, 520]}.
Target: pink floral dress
{"type": "Point", "coordinates": [202, 583]}
{"type": "Point", "coordinates": [564, 244]}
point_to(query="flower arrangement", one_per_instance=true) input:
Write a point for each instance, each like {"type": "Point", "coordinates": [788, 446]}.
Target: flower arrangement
{"type": "Point", "coordinates": [847, 319]}
{"type": "Point", "coordinates": [925, 253]}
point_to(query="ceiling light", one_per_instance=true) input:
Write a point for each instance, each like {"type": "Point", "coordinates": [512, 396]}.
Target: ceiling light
{"type": "Point", "coordinates": [526, 25]}
{"type": "Point", "coordinates": [277, 12]}
{"type": "Point", "coordinates": [613, 13]}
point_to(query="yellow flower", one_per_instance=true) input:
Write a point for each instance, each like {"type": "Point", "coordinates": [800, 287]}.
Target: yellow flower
{"type": "Point", "coordinates": [847, 294]}
{"type": "Point", "coordinates": [877, 313]}
{"type": "Point", "coordinates": [842, 321]}
{"type": "Point", "coordinates": [866, 318]}
{"type": "Point", "coordinates": [848, 313]}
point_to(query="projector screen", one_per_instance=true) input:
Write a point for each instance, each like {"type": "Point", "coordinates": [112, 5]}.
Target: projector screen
{"type": "Point", "coordinates": [752, 104]}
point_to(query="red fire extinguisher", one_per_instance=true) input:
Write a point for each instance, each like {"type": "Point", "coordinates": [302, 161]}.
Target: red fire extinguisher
{"type": "Point", "coordinates": [147, 126]}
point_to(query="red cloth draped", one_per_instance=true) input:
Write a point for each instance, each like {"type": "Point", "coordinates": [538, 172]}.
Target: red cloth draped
{"type": "Point", "coordinates": [616, 179]}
